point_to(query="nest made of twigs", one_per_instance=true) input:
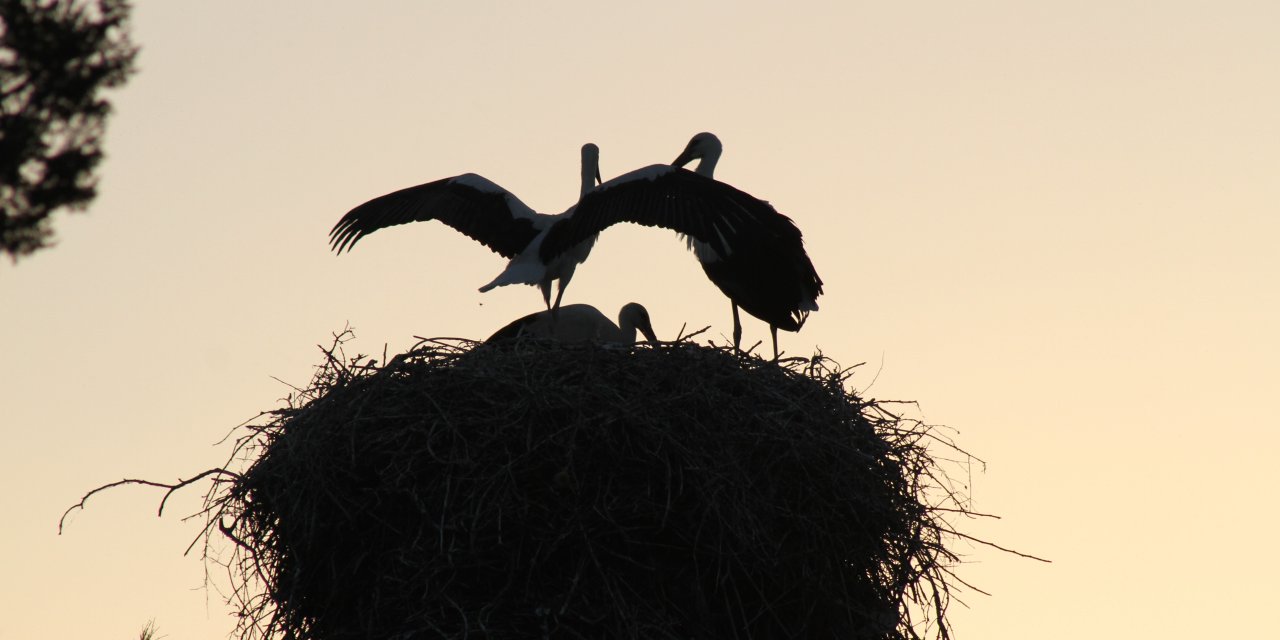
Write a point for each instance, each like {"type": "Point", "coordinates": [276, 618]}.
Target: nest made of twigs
{"type": "Point", "coordinates": [552, 490]}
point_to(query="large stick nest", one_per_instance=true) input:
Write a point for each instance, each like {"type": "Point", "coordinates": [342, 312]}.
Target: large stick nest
{"type": "Point", "coordinates": [576, 491]}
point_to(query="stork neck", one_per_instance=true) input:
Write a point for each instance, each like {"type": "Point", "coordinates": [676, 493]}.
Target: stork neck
{"type": "Point", "coordinates": [627, 329]}
{"type": "Point", "coordinates": [707, 165]}
{"type": "Point", "coordinates": [590, 170]}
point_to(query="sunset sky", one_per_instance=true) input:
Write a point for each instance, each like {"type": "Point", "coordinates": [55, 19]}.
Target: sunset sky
{"type": "Point", "coordinates": [1055, 225]}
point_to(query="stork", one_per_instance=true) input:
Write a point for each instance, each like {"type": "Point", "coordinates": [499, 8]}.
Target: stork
{"type": "Point", "coordinates": [485, 212]}
{"type": "Point", "coordinates": [774, 282]}
{"type": "Point", "coordinates": [581, 323]}
{"type": "Point", "coordinates": [752, 253]}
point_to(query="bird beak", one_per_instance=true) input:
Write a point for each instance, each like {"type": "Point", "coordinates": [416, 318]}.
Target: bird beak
{"type": "Point", "coordinates": [684, 158]}
{"type": "Point", "coordinates": [648, 333]}
{"type": "Point", "coordinates": [599, 181]}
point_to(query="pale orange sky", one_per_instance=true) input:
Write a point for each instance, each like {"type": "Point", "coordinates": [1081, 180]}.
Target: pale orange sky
{"type": "Point", "coordinates": [1054, 226]}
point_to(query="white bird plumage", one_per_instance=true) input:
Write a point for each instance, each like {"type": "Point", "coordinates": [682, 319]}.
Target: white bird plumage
{"type": "Point", "coordinates": [485, 212]}
{"type": "Point", "coordinates": [752, 253]}
{"type": "Point", "coordinates": [581, 323]}
{"type": "Point", "coordinates": [777, 282]}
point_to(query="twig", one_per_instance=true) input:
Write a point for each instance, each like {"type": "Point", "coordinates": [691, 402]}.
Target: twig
{"type": "Point", "coordinates": [150, 483]}
{"type": "Point", "coordinates": [994, 545]}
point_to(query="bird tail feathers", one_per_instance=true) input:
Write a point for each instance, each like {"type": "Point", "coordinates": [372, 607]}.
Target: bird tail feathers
{"type": "Point", "coordinates": [517, 273]}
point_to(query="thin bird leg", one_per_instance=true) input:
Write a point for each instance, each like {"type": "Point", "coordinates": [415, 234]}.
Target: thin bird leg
{"type": "Point", "coordinates": [559, 294]}
{"type": "Point", "coordinates": [773, 329]}
{"type": "Point", "coordinates": [737, 328]}
{"type": "Point", "coordinates": [564, 282]}
{"type": "Point", "coordinates": [545, 286]}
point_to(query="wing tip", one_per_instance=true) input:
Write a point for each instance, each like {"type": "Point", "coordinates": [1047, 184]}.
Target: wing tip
{"type": "Point", "coordinates": [343, 241]}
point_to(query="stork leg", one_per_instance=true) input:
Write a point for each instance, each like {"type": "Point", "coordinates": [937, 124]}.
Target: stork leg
{"type": "Point", "coordinates": [545, 286]}
{"type": "Point", "coordinates": [773, 330]}
{"type": "Point", "coordinates": [737, 328]}
{"type": "Point", "coordinates": [559, 294]}
{"type": "Point", "coordinates": [564, 282]}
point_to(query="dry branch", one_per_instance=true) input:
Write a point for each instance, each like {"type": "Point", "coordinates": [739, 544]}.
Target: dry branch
{"type": "Point", "coordinates": [170, 489]}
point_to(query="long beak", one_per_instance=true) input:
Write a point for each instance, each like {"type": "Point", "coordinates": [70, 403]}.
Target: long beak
{"type": "Point", "coordinates": [599, 181]}
{"type": "Point", "coordinates": [648, 333]}
{"type": "Point", "coordinates": [684, 158]}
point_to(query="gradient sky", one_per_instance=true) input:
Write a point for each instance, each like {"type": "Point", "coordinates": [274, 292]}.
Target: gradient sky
{"type": "Point", "coordinates": [1054, 225]}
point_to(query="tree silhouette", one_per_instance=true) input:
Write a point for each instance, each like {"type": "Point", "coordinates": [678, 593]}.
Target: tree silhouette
{"type": "Point", "coordinates": [55, 58]}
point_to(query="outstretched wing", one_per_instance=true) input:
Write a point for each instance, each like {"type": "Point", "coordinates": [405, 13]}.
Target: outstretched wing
{"type": "Point", "coordinates": [471, 204]}
{"type": "Point", "coordinates": [722, 217]}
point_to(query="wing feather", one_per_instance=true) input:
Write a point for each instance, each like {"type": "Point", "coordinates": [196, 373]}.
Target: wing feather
{"type": "Point", "coordinates": [720, 215]}
{"type": "Point", "coordinates": [471, 204]}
